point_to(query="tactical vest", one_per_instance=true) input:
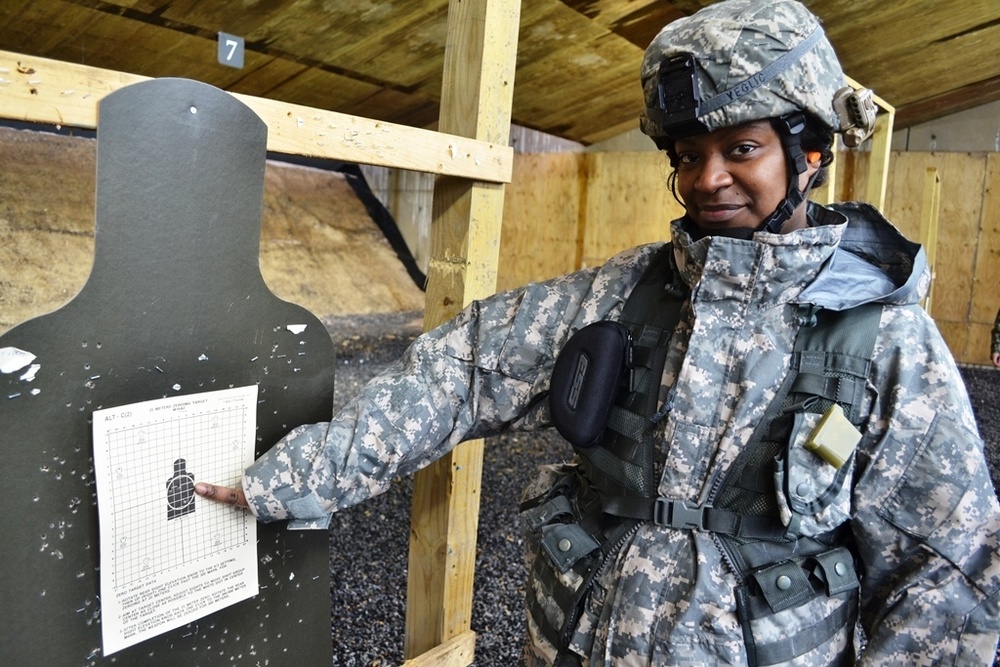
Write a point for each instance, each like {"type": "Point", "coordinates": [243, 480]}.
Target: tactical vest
{"type": "Point", "coordinates": [762, 514]}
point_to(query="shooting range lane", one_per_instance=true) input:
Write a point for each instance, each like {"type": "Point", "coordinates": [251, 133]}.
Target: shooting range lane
{"type": "Point", "coordinates": [46, 250]}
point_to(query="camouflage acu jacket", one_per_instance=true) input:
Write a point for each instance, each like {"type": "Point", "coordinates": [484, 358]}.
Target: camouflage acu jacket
{"type": "Point", "coordinates": [920, 504]}
{"type": "Point", "coordinates": [995, 342]}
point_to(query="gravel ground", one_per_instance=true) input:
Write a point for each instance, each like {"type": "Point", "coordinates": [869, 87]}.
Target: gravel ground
{"type": "Point", "coordinates": [369, 543]}
{"type": "Point", "coordinates": [983, 383]}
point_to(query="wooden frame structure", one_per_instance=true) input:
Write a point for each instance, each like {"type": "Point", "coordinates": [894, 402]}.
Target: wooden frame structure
{"type": "Point", "coordinates": [930, 209]}
{"type": "Point", "coordinates": [878, 167]}
{"type": "Point", "coordinates": [471, 156]}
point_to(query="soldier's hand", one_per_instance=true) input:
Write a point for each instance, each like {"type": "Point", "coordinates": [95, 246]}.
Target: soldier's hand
{"type": "Point", "coordinates": [221, 494]}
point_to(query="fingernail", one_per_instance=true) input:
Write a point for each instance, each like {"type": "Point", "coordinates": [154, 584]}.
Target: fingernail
{"type": "Point", "coordinates": [201, 488]}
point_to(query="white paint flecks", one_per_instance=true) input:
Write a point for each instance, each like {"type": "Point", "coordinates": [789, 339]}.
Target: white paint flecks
{"type": "Point", "coordinates": [13, 359]}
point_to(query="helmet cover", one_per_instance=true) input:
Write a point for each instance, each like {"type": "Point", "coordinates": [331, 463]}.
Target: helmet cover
{"type": "Point", "coordinates": [745, 60]}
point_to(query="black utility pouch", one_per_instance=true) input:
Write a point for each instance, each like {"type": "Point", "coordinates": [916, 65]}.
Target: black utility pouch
{"type": "Point", "coordinates": [588, 374]}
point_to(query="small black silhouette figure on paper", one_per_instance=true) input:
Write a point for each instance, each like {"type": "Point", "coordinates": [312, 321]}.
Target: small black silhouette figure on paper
{"type": "Point", "coordinates": [180, 491]}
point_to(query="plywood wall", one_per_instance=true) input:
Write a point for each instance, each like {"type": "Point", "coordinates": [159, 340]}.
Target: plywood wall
{"type": "Point", "coordinates": [569, 210]}
{"type": "Point", "coordinates": [564, 211]}
{"type": "Point", "coordinates": [542, 213]}
{"type": "Point", "coordinates": [966, 271]}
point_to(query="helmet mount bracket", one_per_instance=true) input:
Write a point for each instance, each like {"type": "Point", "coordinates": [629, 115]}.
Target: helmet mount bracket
{"type": "Point", "coordinates": [679, 97]}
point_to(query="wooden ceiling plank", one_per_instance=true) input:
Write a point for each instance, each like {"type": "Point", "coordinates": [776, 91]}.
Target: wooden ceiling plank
{"type": "Point", "coordinates": [608, 12]}
{"type": "Point", "coordinates": [410, 55]}
{"type": "Point", "coordinates": [157, 51]}
{"type": "Point", "coordinates": [937, 72]}
{"type": "Point", "coordinates": [328, 37]}
{"type": "Point", "coordinates": [688, 7]}
{"type": "Point", "coordinates": [43, 25]}
{"type": "Point", "coordinates": [857, 30]}
{"type": "Point", "coordinates": [645, 24]}
{"type": "Point", "coordinates": [145, 6]}
{"type": "Point", "coordinates": [272, 73]}
{"type": "Point", "coordinates": [550, 27]}
{"type": "Point", "coordinates": [11, 14]}
{"type": "Point", "coordinates": [321, 89]}
{"type": "Point", "coordinates": [637, 21]}
{"type": "Point", "coordinates": [396, 107]}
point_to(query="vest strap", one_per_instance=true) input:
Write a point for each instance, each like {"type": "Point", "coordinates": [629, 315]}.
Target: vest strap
{"type": "Point", "coordinates": [681, 515]}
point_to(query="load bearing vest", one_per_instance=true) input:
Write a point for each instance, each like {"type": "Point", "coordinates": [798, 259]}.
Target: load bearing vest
{"type": "Point", "coordinates": [592, 511]}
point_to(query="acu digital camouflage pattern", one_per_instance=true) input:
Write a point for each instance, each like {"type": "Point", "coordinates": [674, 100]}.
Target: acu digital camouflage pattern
{"type": "Point", "coordinates": [995, 344]}
{"type": "Point", "coordinates": [920, 504]}
{"type": "Point", "coordinates": [735, 40]}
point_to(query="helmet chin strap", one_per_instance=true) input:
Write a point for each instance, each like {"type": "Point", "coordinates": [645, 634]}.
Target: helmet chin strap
{"type": "Point", "coordinates": [790, 128]}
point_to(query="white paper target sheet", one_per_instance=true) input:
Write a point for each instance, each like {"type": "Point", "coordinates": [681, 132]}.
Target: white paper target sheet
{"type": "Point", "coordinates": [168, 556]}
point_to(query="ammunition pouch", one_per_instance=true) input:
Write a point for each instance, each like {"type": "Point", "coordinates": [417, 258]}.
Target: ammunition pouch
{"type": "Point", "coordinates": [799, 606]}
{"type": "Point", "coordinates": [574, 541]}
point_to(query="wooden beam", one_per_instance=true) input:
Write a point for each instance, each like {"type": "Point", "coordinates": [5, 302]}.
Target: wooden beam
{"type": "Point", "coordinates": [953, 101]}
{"type": "Point", "coordinates": [878, 166]}
{"type": "Point", "coordinates": [456, 652]}
{"type": "Point", "coordinates": [40, 90]}
{"type": "Point", "coordinates": [477, 93]}
{"type": "Point", "coordinates": [929, 212]}
{"type": "Point", "coordinates": [881, 144]}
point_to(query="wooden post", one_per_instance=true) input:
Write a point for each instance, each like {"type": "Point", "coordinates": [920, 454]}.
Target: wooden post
{"type": "Point", "coordinates": [476, 99]}
{"type": "Point", "coordinates": [878, 167]}
{"type": "Point", "coordinates": [881, 144]}
{"type": "Point", "coordinates": [929, 210]}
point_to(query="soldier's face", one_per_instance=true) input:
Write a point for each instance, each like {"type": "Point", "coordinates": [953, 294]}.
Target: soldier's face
{"type": "Point", "coordinates": [733, 178]}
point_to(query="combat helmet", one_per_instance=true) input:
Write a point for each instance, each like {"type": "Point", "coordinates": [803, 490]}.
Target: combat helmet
{"type": "Point", "coordinates": [738, 61]}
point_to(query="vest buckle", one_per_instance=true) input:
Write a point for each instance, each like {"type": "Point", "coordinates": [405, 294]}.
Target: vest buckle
{"type": "Point", "coordinates": [678, 514]}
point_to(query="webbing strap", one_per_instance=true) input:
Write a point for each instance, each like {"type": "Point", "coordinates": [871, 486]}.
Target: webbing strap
{"type": "Point", "coordinates": [680, 515]}
{"type": "Point", "coordinates": [651, 312]}
{"type": "Point", "coordinates": [627, 423]}
{"type": "Point", "coordinates": [856, 340]}
{"type": "Point", "coordinates": [840, 344]}
{"type": "Point", "coordinates": [807, 639]}
{"type": "Point", "coordinates": [839, 389]}
{"type": "Point", "coordinates": [817, 361]}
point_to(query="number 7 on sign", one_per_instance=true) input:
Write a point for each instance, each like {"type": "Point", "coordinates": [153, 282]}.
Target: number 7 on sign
{"type": "Point", "coordinates": [230, 51]}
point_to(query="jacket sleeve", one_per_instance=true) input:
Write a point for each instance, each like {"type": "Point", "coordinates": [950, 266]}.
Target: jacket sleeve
{"type": "Point", "coordinates": [477, 375]}
{"type": "Point", "coordinates": [926, 519]}
{"type": "Point", "coordinates": [995, 342]}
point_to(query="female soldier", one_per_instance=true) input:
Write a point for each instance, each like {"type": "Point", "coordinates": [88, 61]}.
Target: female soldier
{"type": "Point", "coordinates": [788, 496]}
